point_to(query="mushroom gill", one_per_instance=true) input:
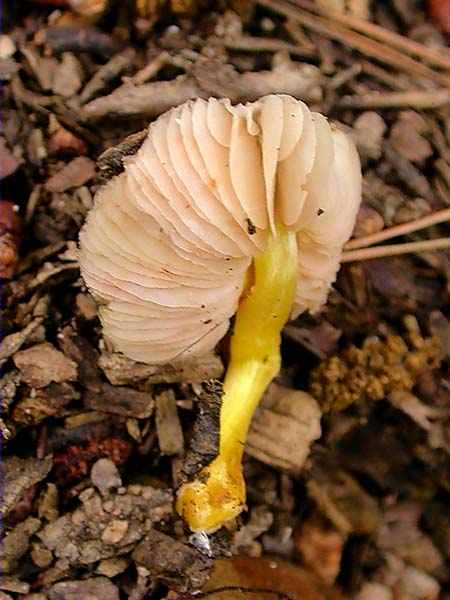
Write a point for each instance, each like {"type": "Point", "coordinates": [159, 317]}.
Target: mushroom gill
{"type": "Point", "coordinates": [214, 190]}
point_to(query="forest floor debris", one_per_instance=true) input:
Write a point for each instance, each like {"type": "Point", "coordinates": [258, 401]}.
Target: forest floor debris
{"type": "Point", "coordinates": [347, 487]}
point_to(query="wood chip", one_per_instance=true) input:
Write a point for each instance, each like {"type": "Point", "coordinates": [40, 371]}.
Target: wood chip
{"type": "Point", "coordinates": [206, 79]}
{"type": "Point", "coordinates": [76, 173]}
{"type": "Point", "coordinates": [120, 401]}
{"type": "Point", "coordinates": [11, 584]}
{"type": "Point", "coordinates": [168, 427]}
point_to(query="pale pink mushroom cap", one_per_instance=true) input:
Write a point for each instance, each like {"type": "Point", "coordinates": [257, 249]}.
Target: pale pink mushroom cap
{"type": "Point", "coordinates": [166, 248]}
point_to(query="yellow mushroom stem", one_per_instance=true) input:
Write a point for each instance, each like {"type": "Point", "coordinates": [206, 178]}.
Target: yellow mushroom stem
{"type": "Point", "coordinates": [218, 492]}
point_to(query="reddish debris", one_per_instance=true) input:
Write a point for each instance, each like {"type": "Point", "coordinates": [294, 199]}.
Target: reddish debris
{"type": "Point", "coordinates": [8, 162]}
{"type": "Point", "coordinates": [75, 461]}
{"type": "Point", "coordinates": [10, 226]}
{"type": "Point", "coordinates": [64, 142]}
{"type": "Point", "coordinates": [439, 11]}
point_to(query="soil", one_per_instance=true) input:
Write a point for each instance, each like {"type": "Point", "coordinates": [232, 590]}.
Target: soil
{"type": "Point", "coordinates": [353, 501]}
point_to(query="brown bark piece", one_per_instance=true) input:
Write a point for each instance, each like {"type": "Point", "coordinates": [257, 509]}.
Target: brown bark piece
{"type": "Point", "coordinates": [121, 370]}
{"type": "Point", "coordinates": [120, 401]}
{"type": "Point", "coordinates": [96, 588]}
{"type": "Point", "coordinates": [174, 563]}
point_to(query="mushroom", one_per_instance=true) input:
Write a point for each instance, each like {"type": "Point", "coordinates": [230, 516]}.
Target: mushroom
{"type": "Point", "coordinates": [225, 211]}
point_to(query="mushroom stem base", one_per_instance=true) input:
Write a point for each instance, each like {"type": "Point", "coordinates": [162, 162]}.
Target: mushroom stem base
{"type": "Point", "coordinates": [218, 492]}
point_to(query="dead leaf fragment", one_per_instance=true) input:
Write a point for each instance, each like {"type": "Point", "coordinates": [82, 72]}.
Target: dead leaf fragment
{"type": "Point", "coordinates": [43, 403]}
{"type": "Point", "coordinates": [95, 588]}
{"type": "Point", "coordinates": [18, 475]}
{"type": "Point", "coordinates": [320, 547]}
{"type": "Point", "coordinates": [399, 533]}
{"type": "Point", "coordinates": [43, 363]}
{"type": "Point", "coordinates": [294, 413]}
{"type": "Point", "coordinates": [272, 575]}
{"type": "Point", "coordinates": [343, 501]}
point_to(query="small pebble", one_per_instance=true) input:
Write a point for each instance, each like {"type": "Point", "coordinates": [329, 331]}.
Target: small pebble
{"type": "Point", "coordinates": [7, 46]}
{"type": "Point", "coordinates": [114, 531]}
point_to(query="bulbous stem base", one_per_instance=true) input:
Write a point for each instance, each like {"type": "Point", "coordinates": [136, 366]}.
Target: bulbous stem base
{"type": "Point", "coordinates": [218, 492]}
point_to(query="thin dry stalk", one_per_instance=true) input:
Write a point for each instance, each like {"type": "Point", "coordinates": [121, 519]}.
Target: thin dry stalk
{"type": "Point", "coordinates": [393, 81]}
{"type": "Point", "coordinates": [344, 76]}
{"type": "Point", "coordinates": [298, 35]}
{"type": "Point", "coordinates": [255, 44]}
{"type": "Point", "coordinates": [329, 28]}
{"type": "Point", "coordinates": [395, 249]}
{"type": "Point", "coordinates": [404, 229]}
{"type": "Point", "coordinates": [152, 69]}
{"type": "Point", "coordinates": [395, 40]}
{"type": "Point", "coordinates": [418, 99]}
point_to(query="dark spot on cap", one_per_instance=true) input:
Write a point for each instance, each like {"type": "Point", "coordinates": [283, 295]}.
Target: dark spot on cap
{"type": "Point", "coordinates": [250, 227]}
{"type": "Point", "coordinates": [320, 212]}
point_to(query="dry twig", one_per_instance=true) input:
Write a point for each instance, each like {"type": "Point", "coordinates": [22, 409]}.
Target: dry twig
{"type": "Point", "coordinates": [434, 57]}
{"type": "Point", "coordinates": [395, 249]}
{"type": "Point", "coordinates": [332, 30]}
{"type": "Point", "coordinates": [438, 217]}
{"type": "Point", "coordinates": [256, 44]}
{"type": "Point", "coordinates": [418, 99]}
